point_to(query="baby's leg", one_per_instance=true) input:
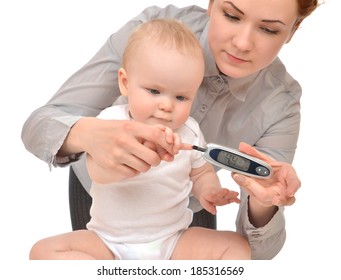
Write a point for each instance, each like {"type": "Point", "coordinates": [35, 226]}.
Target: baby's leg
{"type": "Point", "coordinates": [76, 245]}
{"type": "Point", "coordinates": [207, 244]}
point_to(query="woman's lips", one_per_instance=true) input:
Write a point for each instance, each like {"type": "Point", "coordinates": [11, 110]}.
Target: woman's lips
{"type": "Point", "coordinates": [235, 59]}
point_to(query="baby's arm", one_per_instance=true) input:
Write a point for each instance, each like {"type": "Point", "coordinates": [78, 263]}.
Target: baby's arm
{"type": "Point", "coordinates": [207, 189]}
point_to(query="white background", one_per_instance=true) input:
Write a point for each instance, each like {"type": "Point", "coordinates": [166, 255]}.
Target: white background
{"type": "Point", "coordinates": [44, 42]}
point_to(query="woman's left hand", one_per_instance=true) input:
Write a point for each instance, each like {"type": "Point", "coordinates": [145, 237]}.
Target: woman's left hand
{"type": "Point", "coordinates": [278, 190]}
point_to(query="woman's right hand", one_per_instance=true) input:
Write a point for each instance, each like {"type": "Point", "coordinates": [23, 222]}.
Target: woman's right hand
{"type": "Point", "coordinates": [118, 146]}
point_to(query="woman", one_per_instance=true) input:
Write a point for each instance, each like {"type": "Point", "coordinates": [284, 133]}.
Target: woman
{"type": "Point", "coordinates": [246, 96]}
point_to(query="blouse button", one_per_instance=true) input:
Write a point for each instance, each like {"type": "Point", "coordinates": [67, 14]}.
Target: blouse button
{"type": "Point", "coordinates": [203, 108]}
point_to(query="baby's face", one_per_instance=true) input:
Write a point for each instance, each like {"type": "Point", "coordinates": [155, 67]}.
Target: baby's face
{"type": "Point", "coordinates": [161, 85]}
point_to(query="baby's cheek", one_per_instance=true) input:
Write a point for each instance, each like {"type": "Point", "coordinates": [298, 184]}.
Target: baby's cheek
{"type": "Point", "coordinates": [183, 115]}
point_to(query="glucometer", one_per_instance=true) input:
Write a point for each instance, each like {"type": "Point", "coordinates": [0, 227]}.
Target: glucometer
{"type": "Point", "coordinates": [235, 161]}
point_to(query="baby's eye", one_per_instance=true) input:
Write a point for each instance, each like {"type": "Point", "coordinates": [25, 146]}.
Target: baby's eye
{"type": "Point", "coordinates": [181, 98]}
{"type": "Point", "coordinates": [153, 91]}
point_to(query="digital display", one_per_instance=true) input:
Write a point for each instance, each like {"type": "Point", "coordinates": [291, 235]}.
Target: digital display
{"type": "Point", "coordinates": [233, 160]}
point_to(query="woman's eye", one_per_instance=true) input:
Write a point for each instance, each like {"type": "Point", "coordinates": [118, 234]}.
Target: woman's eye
{"type": "Point", "coordinates": [153, 91]}
{"type": "Point", "coordinates": [270, 31]}
{"type": "Point", "coordinates": [231, 17]}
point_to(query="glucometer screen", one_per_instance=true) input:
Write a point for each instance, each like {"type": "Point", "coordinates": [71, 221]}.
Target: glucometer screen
{"type": "Point", "coordinates": [233, 160]}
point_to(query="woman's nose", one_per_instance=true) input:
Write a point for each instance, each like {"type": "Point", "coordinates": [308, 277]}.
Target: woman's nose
{"type": "Point", "coordinates": [242, 39]}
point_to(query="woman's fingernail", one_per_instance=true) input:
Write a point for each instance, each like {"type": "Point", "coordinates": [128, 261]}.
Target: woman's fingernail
{"type": "Point", "coordinates": [239, 178]}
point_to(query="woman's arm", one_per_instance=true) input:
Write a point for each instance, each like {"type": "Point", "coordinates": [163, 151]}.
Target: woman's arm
{"type": "Point", "coordinates": [260, 216]}
{"type": "Point", "coordinates": [86, 93]}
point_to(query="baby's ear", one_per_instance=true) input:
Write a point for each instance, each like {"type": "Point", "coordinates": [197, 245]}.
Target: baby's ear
{"type": "Point", "coordinates": [123, 81]}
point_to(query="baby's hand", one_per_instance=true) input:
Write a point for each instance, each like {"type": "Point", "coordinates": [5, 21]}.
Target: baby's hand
{"type": "Point", "coordinates": [210, 199]}
{"type": "Point", "coordinates": [172, 138]}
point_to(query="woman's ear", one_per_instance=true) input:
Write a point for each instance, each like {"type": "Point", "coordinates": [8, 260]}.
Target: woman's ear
{"type": "Point", "coordinates": [123, 81]}
{"type": "Point", "coordinates": [293, 31]}
{"type": "Point", "coordinates": [209, 7]}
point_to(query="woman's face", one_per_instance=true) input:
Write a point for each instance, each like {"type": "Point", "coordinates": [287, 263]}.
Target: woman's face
{"type": "Point", "coordinates": [245, 36]}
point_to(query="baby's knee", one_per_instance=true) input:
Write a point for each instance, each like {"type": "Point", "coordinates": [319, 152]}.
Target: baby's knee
{"type": "Point", "coordinates": [39, 250]}
{"type": "Point", "coordinates": [245, 249]}
{"type": "Point", "coordinates": [240, 248]}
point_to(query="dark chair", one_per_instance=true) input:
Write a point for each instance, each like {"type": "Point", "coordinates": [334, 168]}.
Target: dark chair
{"type": "Point", "coordinates": [80, 202]}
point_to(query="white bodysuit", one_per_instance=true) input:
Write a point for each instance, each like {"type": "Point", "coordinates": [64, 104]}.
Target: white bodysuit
{"type": "Point", "coordinates": [142, 217]}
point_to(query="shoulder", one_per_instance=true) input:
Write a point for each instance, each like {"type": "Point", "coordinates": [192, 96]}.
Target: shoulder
{"type": "Point", "coordinates": [171, 11]}
{"type": "Point", "coordinates": [277, 77]}
{"type": "Point", "coordinates": [116, 112]}
{"type": "Point", "coordinates": [193, 16]}
{"type": "Point", "coordinates": [190, 15]}
{"type": "Point", "coordinates": [192, 125]}
{"type": "Point", "coordinates": [190, 132]}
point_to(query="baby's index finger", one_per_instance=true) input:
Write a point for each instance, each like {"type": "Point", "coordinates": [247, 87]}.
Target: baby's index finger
{"type": "Point", "coordinates": [169, 134]}
{"type": "Point", "coordinates": [185, 146]}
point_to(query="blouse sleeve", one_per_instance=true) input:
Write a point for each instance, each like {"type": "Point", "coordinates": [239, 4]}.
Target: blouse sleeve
{"type": "Point", "coordinates": [266, 242]}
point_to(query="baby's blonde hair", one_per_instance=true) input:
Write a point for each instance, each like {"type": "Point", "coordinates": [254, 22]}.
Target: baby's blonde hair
{"type": "Point", "coordinates": [168, 33]}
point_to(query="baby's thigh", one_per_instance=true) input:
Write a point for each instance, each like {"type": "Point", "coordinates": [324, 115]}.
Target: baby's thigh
{"type": "Point", "coordinates": [89, 243]}
{"type": "Point", "coordinates": [207, 244]}
{"type": "Point", "coordinates": [80, 244]}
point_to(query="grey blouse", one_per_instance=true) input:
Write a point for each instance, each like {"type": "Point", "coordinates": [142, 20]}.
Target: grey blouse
{"type": "Point", "coordinates": [262, 109]}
